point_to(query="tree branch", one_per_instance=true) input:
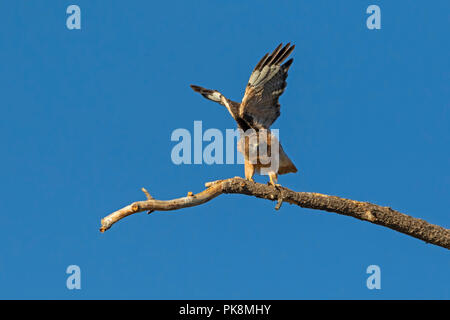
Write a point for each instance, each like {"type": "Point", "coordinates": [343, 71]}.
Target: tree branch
{"type": "Point", "coordinates": [384, 216]}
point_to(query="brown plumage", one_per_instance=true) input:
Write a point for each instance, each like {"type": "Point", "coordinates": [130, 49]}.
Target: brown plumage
{"type": "Point", "coordinates": [258, 111]}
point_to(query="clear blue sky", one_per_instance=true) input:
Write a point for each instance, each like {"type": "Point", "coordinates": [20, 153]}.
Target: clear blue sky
{"type": "Point", "coordinates": [86, 119]}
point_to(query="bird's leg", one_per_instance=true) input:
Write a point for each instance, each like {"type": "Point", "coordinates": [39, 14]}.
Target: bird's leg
{"type": "Point", "coordinates": [249, 170]}
{"type": "Point", "coordinates": [273, 179]}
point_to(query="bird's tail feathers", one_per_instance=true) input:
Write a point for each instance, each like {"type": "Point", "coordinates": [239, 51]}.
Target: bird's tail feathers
{"type": "Point", "coordinates": [287, 168]}
{"type": "Point", "coordinates": [286, 165]}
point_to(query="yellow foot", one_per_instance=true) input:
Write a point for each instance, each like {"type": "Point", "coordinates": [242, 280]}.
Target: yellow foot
{"type": "Point", "coordinates": [271, 183]}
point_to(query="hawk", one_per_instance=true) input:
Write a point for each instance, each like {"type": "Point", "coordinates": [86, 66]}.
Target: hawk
{"type": "Point", "coordinates": [258, 111]}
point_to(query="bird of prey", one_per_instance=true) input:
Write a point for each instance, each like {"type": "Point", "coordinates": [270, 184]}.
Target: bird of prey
{"type": "Point", "coordinates": [257, 111]}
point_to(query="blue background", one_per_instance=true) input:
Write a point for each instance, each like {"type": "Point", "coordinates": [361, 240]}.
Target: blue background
{"type": "Point", "coordinates": [86, 119]}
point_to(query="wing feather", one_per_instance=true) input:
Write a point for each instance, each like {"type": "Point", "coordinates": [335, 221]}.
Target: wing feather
{"type": "Point", "coordinates": [260, 107]}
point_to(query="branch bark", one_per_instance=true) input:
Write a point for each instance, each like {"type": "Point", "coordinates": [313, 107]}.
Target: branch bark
{"type": "Point", "coordinates": [384, 216]}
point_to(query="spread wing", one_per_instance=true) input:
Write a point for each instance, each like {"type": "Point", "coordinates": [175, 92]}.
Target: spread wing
{"type": "Point", "coordinates": [216, 96]}
{"type": "Point", "coordinates": [260, 107]}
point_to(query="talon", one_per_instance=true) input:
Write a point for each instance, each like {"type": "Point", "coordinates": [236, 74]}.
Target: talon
{"type": "Point", "coordinates": [275, 185]}
{"type": "Point", "coordinates": [190, 194]}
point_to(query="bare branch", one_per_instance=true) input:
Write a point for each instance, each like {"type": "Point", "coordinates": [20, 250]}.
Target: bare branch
{"type": "Point", "coordinates": [149, 197]}
{"type": "Point", "coordinates": [384, 216]}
